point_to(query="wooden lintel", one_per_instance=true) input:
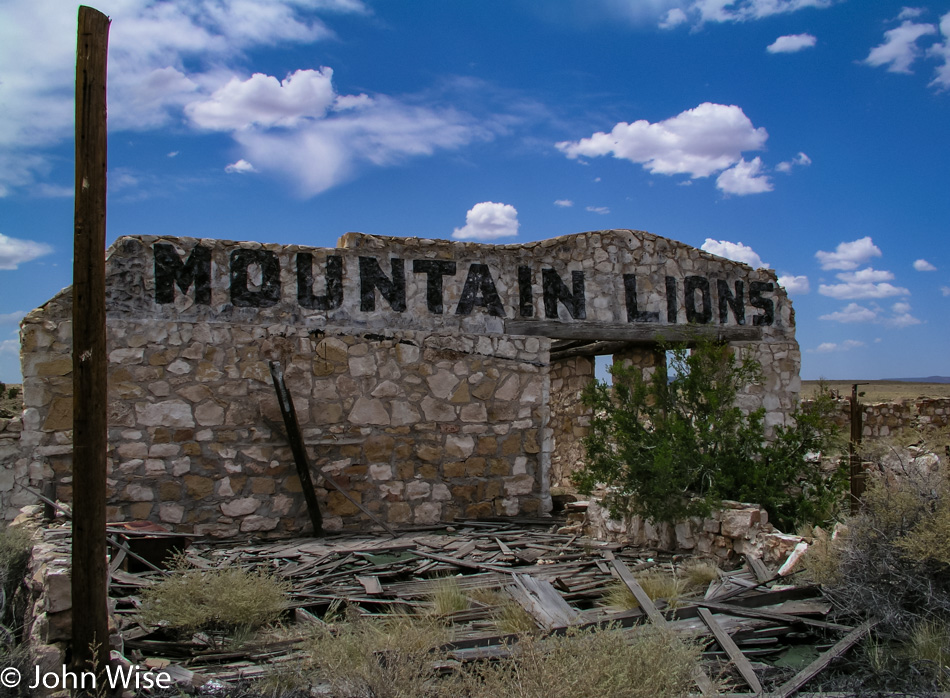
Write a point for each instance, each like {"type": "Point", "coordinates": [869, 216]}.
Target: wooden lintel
{"type": "Point", "coordinates": [589, 349]}
{"type": "Point", "coordinates": [633, 332]}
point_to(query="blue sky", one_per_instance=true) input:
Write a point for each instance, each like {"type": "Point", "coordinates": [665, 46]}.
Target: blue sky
{"type": "Point", "coordinates": [811, 136]}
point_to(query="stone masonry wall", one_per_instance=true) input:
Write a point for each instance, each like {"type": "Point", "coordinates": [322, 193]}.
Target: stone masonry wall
{"type": "Point", "coordinates": [881, 419]}
{"type": "Point", "coordinates": [412, 385]}
{"type": "Point", "coordinates": [569, 416]}
{"type": "Point", "coordinates": [418, 428]}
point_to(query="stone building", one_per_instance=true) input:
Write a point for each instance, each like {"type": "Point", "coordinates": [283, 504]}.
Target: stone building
{"type": "Point", "coordinates": [432, 379]}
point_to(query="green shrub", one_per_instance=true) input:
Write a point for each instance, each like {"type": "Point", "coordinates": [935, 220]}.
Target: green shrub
{"type": "Point", "coordinates": [217, 600]}
{"type": "Point", "coordinates": [677, 444]}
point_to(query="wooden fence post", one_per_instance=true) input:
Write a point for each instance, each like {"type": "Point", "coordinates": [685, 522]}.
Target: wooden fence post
{"type": "Point", "coordinates": [90, 631]}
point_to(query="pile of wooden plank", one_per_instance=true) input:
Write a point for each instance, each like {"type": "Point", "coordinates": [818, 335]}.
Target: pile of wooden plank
{"type": "Point", "coordinates": [745, 616]}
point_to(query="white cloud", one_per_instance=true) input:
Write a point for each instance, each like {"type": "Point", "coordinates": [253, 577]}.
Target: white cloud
{"type": "Point", "coordinates": [900, 48]}
{"type": "Point", "coordinates": [736, 251]}
{"type": "Point", "coordinates": [792, 43]}
{"type": "Point", "coordinates": [901, 317]}
{"type": "Point", "coordinates": [849, 255]}
{"type": "Point", "coordinates": [488, 221]}
{"type": "Point", "coordinates": [800, 160]}
{"type": "Point", "coordinates": [744, 10]}
{"type": "Point", "coordinates": [698, 142]}
{"type": "Point", "coordinates": [744, 178]}
{"type": "Point", "coordinates": [240, 167]}
{"type": "Point", "coordinates": [910, 13]}
{"type": "Point", "coordinates": [865, 283]}
{"type": "Point", "coordinates": [173, 154]}
{"type": "Point", "coordinates": [187, 57]}
{"type": "Point", "coordinates": [941, 52]}
{"type": "Point", "coordinates": [866, 275]}
{"type": "Point", "coordinates": [851, 313]}
{"type": "Point", "coordinates": [321, 153]}
{"type": "Point", "coordinates": [564, 203]}
{"type": "Point", "coordinates": [300, 128]}
{"type": "Point", "coordinates": [945, 290]}
{"type": "Point", "coordinates": [924, 265]}
{"type": "Point", "coordinates": [855, 289]}
{"type": "Point", "coordinates": [794, 284]}
{"type": "Point", "coordinates": [262, 100]}
{"type": "Point", "coordinates": [14, 251]}
{"type": "Point", "coordinates": [12, 318]}
{"type": "Point", "coordinates": [10, 347]}
{"type": "Point", "coordinates": [828, 347]}
{"type": "Point", "coordinates": [602, 210]}
{"type": "Point", "coordinates": [673, 18]}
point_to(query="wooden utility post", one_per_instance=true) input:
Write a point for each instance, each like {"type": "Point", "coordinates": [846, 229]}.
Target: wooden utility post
{"type": "Point", "coordinates": [90, 634]}
{"type": "Point", "coordinates": [857, 471]}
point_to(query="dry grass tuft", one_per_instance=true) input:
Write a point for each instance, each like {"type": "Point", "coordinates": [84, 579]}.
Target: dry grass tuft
{"type": "Point", "coordinates": [399, 658]}
{"type": "Point", "coordinates": [448, 598]}
{"type": "Point", "coordinates": [656, 584]}
{"type": "Point", "coordinates": [231, 599]}
{"type": "Point", "coordinates": [389, 659]}
{"type": "Point", "coordinates": [697, 574]}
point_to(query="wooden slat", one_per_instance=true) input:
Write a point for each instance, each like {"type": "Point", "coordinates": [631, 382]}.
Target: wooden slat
{"type": "Point", "coordinates": [778, 616]}
{"type": "Point", "coordinates": [370, 584]}
{"type": "Point", "coordinates": [632, 332]}
{"type": "Point", "coordinates": [730, 647]}
{"type": "Point", "coordinates": [542, 601]}
{"type": "Point", "coordinates": [759, 569]}
{"type": "Point", "coordinates": [646, 603]}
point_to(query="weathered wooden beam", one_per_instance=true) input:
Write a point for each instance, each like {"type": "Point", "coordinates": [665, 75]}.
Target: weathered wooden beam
{"type": "Point", "coordinates": [90, 572]}
{"type": "Point", "coordinates": [731, 649]}
{"type": "Point", "coordinates": [589, 349]}
{"type": "Point", "coordinates": [646, 603]}
{"type": "Point", "coordinates": [297, 447]}
{"type": "Point", "coordinates": [700, 677]}
{"type": "Point", "coordinates": [778, 616]}
{"type": "Point", "coordinates": [634, 332]}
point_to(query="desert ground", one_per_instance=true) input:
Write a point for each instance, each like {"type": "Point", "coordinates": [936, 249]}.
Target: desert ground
{"type": "Point", "coordinates": [880, 391]}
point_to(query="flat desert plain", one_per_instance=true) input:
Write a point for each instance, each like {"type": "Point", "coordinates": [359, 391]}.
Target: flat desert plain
{"type": "Point", "coordinates": [880, 391]}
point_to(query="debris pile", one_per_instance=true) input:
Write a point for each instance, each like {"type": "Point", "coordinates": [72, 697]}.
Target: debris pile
{"type": "Point", "coordinates": [748, 618]}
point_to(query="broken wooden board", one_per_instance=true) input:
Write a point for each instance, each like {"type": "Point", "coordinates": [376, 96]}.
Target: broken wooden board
{"type": "Point", "coordinates": [542, 601]}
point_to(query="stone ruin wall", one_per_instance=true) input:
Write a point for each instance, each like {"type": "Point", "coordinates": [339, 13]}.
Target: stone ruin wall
{"type": "Point", "coordinates": [882, 419]}
{"type": "Point", "coordinates": [569, 416]}
{"type": "Point", "coordinates": [411, 389]}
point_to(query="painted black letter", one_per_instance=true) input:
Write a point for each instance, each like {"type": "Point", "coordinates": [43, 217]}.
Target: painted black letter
{"type": "Point", "coordinates": [634, 314]}
{"type": "Point", "coordinates": [756, 289]}
{"type": "Point", "coordinates": [525, 295]}
{"type": "Point", "coordinates": [556, 290]}
{"type": "Point", "coordinates": [170, 270]}
{"type": "Point", "coordinates": [269, 293]}
{"type": "Point", "coordinates": [701, 284]}
{"type": "Point", "coordinates": [671, 304]}
{"type": "Point", "coordinates": [372, 277]}
{"type": "Point", "coordinates": [727, 300]}
{"type": "Point", "coordinates": [434, 269]}
{"type": "Point", "coordinates": [480, 290]}
{"type": "Point", "coordinates": [334, 281]}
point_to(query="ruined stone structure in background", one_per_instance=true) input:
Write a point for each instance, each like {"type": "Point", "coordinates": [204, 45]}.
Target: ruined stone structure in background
{"type": "Point", "coordinates": [432, 379]}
